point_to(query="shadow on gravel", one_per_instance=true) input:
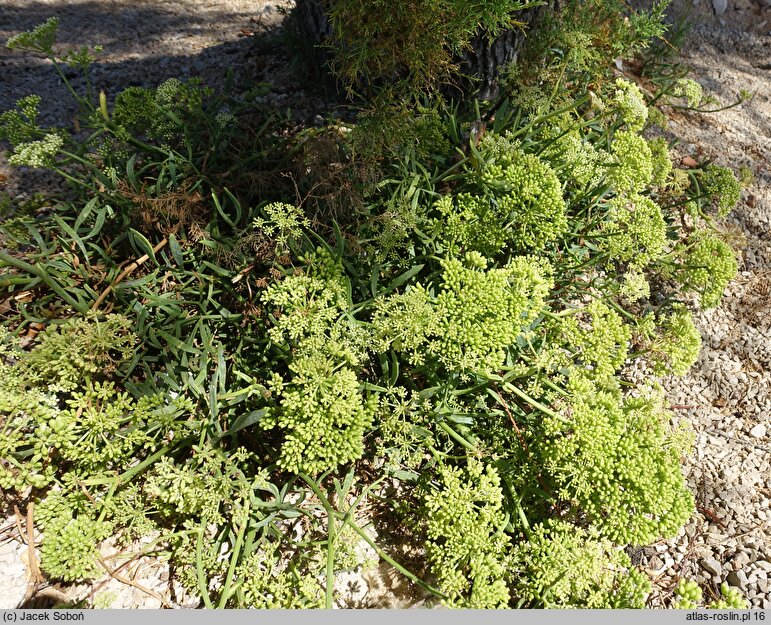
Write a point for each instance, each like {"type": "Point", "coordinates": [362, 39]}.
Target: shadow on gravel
{"type": "Point", "coordinates": [144, 43]}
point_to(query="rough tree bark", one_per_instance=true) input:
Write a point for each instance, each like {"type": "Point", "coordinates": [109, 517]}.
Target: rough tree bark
{"type": "Point", "coordinates": [483, 61]}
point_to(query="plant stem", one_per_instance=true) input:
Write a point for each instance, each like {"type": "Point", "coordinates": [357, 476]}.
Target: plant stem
{"type": "Point", "coordinates": [535, 404]}
{"type": "Point", "coordinates": [454, 435]}
{"type": "Point", "coordinates": [331, 537]}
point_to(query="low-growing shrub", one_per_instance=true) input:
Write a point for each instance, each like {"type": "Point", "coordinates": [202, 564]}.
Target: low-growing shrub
{"type": "Point", "coordinates": [214, 367]}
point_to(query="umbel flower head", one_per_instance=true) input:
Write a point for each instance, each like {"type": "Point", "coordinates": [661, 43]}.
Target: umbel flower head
{"type": "Point", "coordinates": [636, 230]}
{"type": "Point", "coordinates": [40, 39]}
{"type": "Point", "coordinates": [20, 125]}
{"type": "Point", "coordinates": [632, 169]}
{"type": "Point", "coordinates": [709, 264]}
{"type": "Point", "coordinates": [720, 184]}
{"type": "Point", "coordinates": [679, 344]}
{"type": "Point", "coordinates": [629, 102]}
{"type": "Point", "coordinates": [527, 192]}
{"type": "Point", "coordinates": [690, 90]}
{"type": "Point", "coordinates": [37, 153]}
{"type": "Point", "coordinates": [481, 312]}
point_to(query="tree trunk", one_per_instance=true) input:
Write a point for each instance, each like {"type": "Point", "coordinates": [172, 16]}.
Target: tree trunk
{"type": "Point", "coordinates": [483, 62]}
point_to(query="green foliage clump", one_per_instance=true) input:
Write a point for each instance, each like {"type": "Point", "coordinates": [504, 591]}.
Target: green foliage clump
{"type": "Point", "coordinates": [688, 596]}
{"type": "Point", "coordinates": [632, 169]}
{"type": "Point", "coordinates": [82, 349]}
{"type": "Point", "coordinates": [466, 546]}
{"type": "Point", "coordinates": [564, 566]}
{"type": "Point", "coordinates": [619, 461]}
{"type": "Point", "coordinates": [721, 186]}
{"type": "Point", "coordinates": [417, 41]}
{"type": "Point", "coordinates": [635, 229]}
{"type": "Point", "coordinates": [709, 264]}
{"type": "Point", "coordinates": [209, 486]}
{"type": "Point", "coordinates": [527, 193]}
{"type": "Point", "coordinates": [464, 331]}
{"type": "Point", "coordinates": [677, 348]}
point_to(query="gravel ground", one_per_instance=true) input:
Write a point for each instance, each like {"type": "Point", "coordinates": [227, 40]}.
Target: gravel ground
{"type": "Point", "coordinates": [727, 395]}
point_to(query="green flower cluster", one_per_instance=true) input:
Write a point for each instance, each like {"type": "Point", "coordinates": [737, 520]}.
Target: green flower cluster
{"type": "Point", "coordinates": [477, 315]}
{"type": "Point", "coordinates": [730, 599]}
{"type": "Point", "coordinates": [662, 162]}
{"type": "Point", "coordinates": [70, 549]}
{"type": "Point", "coordinates": [162, 113]}
{"type": "Point", "coordinates": [628, 101]}
{"type": "Point", "coordinates": [597, 349]}
{"type": "Point", "coordinates": [39, 153]}
{"type": "Point", "coordinates": [471, 222]}
{"type": "Point", "coordinates": [690, 90]}
{"type": "Point", "coordinates": [581, 162]}
{"type": "Point", "coordinates": [679, 344]}
{"type": "Point", "coordinates": [198, 488]}
{"type": "Point", "coordinates": [404, 427]}
{"type": "Point", "coordinates": [722, 186]}
{"type": "Point", "coordinates": [481, 312]}
{"type": "Point", "coordinates": [325, 417]}
{"type": "Point", "coordinates": [709, 264]}
{"type": "Point", "coordinates": [619, 462]}
{"type": "Point", "coordinates": [100, 429]}
{"type": "Point", "coordinates": [635, 286]}
{"type": "Point", "coordinates": [564, 566]}
{"type": "Point", "coordinates": [405, 322]}
{"type": "Point", "coordinates": [21, 409]}
{"type": "Point", "coordinates": [20, 125]}
{"type": "Point", "coordinates": [302, 306]}
{"type": "Point", "coordinates": [41, 39]}
{"type": "Point", "coordinates": [321, 409]}
{"type": "Point", "coordinates": [284, 223]}
{"type": "Point", "coordinates": [81, 349]}
{"type": "Point", "coordinates": [527, 192]}
{"type": "Point", "coordinates": [266, 588]}
{"type": "Point", "coordinates": [466, 545]}
{"type": "Point", "coordinates": [635, 230]}
{"type": "Point", "coordinates": [632, 166]}
{"type": "Point", "coordinates": [688, 597]}
{"type": "Point", "coordinates": [133, 109]}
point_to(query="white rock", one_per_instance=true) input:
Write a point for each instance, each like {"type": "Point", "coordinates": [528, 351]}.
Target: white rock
{"type": "Point", "coordinates": [737, 578]}
{"type": "Point", "coordinates": [759, 431]}
{"type": "Point", "coordinates": [711, 566]}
